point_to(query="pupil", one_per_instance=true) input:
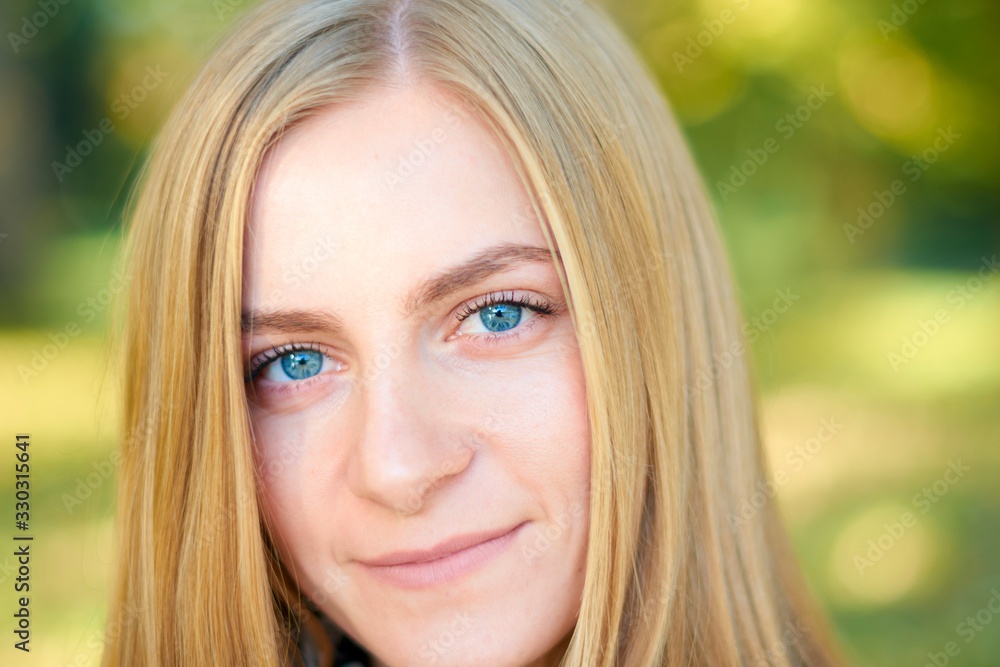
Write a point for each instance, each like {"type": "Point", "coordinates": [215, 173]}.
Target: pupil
{"type": "Point", "coordinates": [301, 365]}
{"type": "Point", "coordinates": [500, 316]}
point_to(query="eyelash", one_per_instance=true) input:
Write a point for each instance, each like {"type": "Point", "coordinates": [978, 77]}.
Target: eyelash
{"type": "Point", "coordinates": [538, 306]}
{"type": "Point", "coordinates": [258, 363]}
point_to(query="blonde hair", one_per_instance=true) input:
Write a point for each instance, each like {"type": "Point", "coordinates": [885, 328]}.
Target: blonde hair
{"type": "Point", "coordinates": [670, 579]}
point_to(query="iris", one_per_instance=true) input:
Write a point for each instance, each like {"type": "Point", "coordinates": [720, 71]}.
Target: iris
{"type": "Point", "coordinates": [301, 364]}
{"type": "Point", "coordinates": [500, 316]}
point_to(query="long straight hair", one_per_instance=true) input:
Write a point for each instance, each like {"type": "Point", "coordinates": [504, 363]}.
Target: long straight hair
{"type": "Point", "coordinates": [671, 579]}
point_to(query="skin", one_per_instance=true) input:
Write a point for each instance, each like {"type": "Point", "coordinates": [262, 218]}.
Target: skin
{"type": "Point", "coordinates": [418, 427]}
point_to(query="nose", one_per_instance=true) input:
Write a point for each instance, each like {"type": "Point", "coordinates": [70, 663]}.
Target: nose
{"type": "Point", "coordinates": [407, 449]}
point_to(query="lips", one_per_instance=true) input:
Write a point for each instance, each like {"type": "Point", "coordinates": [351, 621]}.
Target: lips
{"type": "Point", "coordinates": [444, 562]}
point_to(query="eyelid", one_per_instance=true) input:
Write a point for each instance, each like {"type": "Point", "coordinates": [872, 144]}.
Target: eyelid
{"type": "Point", "coordinates": [539, 306]}
{"type": "Point", "coordinates": [527, 300]}
{"type": "Point", "coordinates": [261, 360]}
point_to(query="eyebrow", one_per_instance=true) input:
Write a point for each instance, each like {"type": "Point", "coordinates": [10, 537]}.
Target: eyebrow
{"type": "Point", "coordinates": [488, 262]}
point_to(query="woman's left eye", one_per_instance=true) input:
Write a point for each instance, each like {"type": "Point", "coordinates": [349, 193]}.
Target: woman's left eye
{"type": "Point", "coordinates": [497, 314]}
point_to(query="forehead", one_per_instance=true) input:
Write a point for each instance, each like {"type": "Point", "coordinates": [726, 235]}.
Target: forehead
{"type": "Point", "coordinates": [396, 179]}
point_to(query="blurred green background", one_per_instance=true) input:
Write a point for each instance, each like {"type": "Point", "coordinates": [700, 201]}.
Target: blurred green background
{"type": "Point", "coordinates": [851, 149]}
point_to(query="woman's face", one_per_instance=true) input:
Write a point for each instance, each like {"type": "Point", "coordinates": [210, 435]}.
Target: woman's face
{"type": "Point", "coordinates": [418, 397]}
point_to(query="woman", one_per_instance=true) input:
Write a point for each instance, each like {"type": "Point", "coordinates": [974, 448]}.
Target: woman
{"type": "Point", "coordinates": [420, 294]}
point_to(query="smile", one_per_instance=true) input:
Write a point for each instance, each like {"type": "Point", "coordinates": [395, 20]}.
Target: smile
{"type": "Point", "coordinates": [446, 562]}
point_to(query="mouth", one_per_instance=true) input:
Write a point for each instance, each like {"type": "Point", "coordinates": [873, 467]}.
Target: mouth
{"type": "Point", "coordinates": [443, 563]}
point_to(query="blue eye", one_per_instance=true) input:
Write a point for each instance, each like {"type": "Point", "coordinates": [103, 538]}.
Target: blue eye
{"type": "Point", "coordinates": [500, 312]}
{"type": "Point", "coordinates": [291, 365]}
{"type": "Point", "coordinates": [500, 316]}
{"type": "Point", "coordinates": [302, 364]}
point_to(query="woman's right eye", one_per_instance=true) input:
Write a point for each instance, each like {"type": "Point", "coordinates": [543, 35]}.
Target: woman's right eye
{"type": "Point", "coordinates": [296, 365]}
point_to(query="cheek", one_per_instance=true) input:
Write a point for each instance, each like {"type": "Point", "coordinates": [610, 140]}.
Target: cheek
{"type": "Point", "coordinates": [294, 472]}
{"type": "Point", "coordinates": [538, 436]}
{"type": "Point", "coordinates": [278, 453]}
{"type": "Point", "coordinates": [553, 402]}
{"type": "Point", "coordinates": [286, 478]}
{"type": "Point", "coordinates": [291, 444]}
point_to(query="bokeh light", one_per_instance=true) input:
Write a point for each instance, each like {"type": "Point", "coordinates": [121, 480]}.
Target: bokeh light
{"type": "Point", "coordinates": [878, 216]}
